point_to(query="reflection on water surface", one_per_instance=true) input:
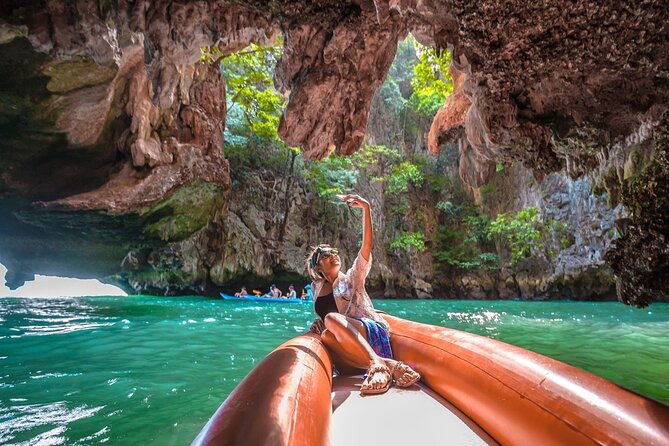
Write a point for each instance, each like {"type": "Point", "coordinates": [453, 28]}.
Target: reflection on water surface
{"type": "Point", "coordinates": [108, 369]}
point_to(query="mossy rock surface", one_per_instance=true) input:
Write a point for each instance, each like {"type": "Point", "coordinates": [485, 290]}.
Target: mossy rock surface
{"type": "Point", "coordinates": [636, 162]}
{"type": "Point", "coordinates": [581, 141]}
{"type": "Point", "coordinates": [186, 211]}
{"type": "Point", "coordinates": [74, 74]}
{"type": "Point", "coordinates": [640, 258]}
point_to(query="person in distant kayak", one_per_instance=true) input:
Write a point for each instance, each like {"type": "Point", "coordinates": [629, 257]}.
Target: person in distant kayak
{"type": "Point", "coordinates": [353, 332]}
{"type": "Point", "coordinates": [242, 292]}
{"type": "Point", "coordinates": [291, 294]}
{"type": "Point", "coordinates": [306, 293]}
{"type": "Point", "coordinates": [274, 291]}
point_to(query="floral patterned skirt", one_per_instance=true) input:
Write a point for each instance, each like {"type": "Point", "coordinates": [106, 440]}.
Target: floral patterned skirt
{"type": "Point", "coordinates": [378, 337]}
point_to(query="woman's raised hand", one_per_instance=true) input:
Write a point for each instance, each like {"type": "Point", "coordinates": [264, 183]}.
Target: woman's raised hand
{"type": "Point", "coordinates": [354, 201]}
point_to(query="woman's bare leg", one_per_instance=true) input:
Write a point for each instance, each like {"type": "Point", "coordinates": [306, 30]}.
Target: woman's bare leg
{"type": "Point", "coordinates": [349, 343]}
{"type": "Point", "coordinates": [347, 338]}
{"type": "Point", "coordinates": [338, 354]}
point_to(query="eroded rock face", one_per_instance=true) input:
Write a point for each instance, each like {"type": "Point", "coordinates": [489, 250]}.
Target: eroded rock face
{"type": "Point", "coordinates": [337, 85]}
{"type": "Point", "coordinates": [641, 255]}
{"type": "Point", "coordinates": [123, 79]}
{"type": "Point", "coordinates": [537, 72]}
{"type": "Point", "coordinates": [448, 124]}
{"type": "Point", "coordinates": [126, 118]}
{"type": "Point", "coordinates": [193, 153]}
{"type": "Point", "coordinates": [540, 70]}
{"type": "Point", "coordinates": [570, 266]}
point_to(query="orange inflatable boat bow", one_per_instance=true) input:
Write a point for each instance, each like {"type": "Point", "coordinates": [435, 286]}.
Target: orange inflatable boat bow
{"type": "Point", "coordinates": [515, 396]}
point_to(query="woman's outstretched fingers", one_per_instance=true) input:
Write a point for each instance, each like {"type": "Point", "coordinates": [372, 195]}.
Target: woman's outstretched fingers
{"type": "Point", "coordinates": [354, 200]}
{"type": "Point", "coordinates": [351, 199]}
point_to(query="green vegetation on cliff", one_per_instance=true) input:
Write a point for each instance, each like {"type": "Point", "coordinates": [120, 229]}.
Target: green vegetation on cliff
{"type": "Point", "coordinates": [408, 240]}
{"type": "Point", "coordinates": [333, 175]}
{"type": "Point", "coordinates": [254, 108]}
{"type": "Point", "coordinates": [431, 81]}
{"type": "Point", "coordinates": [250, 93]}
{"type": "Point", "coordinates": [455, 231]}
{"type": "Point", "coordinates": [524, 233]}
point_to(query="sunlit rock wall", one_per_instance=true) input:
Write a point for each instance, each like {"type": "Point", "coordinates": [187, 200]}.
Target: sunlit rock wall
{"type": "Point", "coordinates": [103, 108]}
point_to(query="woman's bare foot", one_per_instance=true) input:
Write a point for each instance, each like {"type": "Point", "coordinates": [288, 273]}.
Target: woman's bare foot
{"type": "Point", "coordinates": [404, 375]}
{"type": "Point", "coordinates": [378, 380]}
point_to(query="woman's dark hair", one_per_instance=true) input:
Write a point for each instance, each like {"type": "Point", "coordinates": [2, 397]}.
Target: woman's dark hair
{"type": "Point", "coordinates": [312, 260]}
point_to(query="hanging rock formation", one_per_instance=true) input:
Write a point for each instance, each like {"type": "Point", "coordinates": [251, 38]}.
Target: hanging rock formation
{"type": "Point", "coordinates": [124, 78]}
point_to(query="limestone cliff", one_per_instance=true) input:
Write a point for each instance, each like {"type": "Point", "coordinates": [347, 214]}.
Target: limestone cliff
{"type": "Point", "coordinates": [102, 105]}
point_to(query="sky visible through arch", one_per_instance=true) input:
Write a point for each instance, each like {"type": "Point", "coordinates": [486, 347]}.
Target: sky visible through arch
{"type": "Point", "coordinates": [50, 286]}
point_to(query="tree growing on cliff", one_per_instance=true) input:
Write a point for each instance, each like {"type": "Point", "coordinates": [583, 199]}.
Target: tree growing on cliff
{"type": "Point", "coordinates": [408, 240]}
{"type": "Point", "coordinates": [383, 164]}
{"type": "Point", "coordinates": [461, 241]}
{"type": "Point", "coordinates": [254, 107]}
{"type": "Point", "coordinates": [431, 81]}
{"type": "Point", "coordinates": [250, 88]}
{"type": "Point", "coordinates": [333, 175]}
{"type": "Point", "coordinates": [524, 233]}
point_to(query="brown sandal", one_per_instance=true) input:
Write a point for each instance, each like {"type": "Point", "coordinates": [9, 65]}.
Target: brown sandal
{"type": "Point", "coordinates": [399, 370]}
{"type": "Point", "coordinates": [372, 370]}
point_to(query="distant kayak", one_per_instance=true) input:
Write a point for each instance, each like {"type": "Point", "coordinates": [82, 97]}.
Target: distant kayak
{"type": "Point", "coordinates": [265, 299]}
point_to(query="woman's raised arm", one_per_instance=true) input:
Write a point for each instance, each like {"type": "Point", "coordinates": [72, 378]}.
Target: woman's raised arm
{"type": "Point", "coordinates": [356, 201]}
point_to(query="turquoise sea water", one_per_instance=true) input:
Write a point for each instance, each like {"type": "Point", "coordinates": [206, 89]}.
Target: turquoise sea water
{"type": "Point", "coordinates": [152, 370]}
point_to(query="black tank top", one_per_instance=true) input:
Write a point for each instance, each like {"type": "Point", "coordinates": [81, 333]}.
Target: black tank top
{"type": "Point", "coordinates": [325, 304]}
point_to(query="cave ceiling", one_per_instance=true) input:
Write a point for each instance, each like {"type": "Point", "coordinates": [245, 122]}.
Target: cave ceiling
{"type": "Point", "coordinates": [536, 73]}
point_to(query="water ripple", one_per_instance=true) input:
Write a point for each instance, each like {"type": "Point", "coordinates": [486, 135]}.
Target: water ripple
{"type": "Point", "coordinates": [122, 368]}
{"type": "Point", "coordinates": [20, 420]}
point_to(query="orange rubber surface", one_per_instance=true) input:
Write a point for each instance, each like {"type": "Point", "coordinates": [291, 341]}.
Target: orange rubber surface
{"type": "Point", "coordinates": [516, 396]}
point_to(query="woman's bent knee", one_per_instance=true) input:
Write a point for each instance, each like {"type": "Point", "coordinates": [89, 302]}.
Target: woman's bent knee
{"type": "Point", "coordinates": [334, 321]}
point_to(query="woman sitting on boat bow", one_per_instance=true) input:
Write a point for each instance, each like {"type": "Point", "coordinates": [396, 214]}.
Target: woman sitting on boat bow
{"type": "Point", "coordinates": [354, 333]}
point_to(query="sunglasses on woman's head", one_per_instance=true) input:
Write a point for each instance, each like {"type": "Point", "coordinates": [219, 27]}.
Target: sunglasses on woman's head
{"type": "Point", "coordinates": [322, 253]}
{"type": "Point", "coordinates": [327, 252]}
